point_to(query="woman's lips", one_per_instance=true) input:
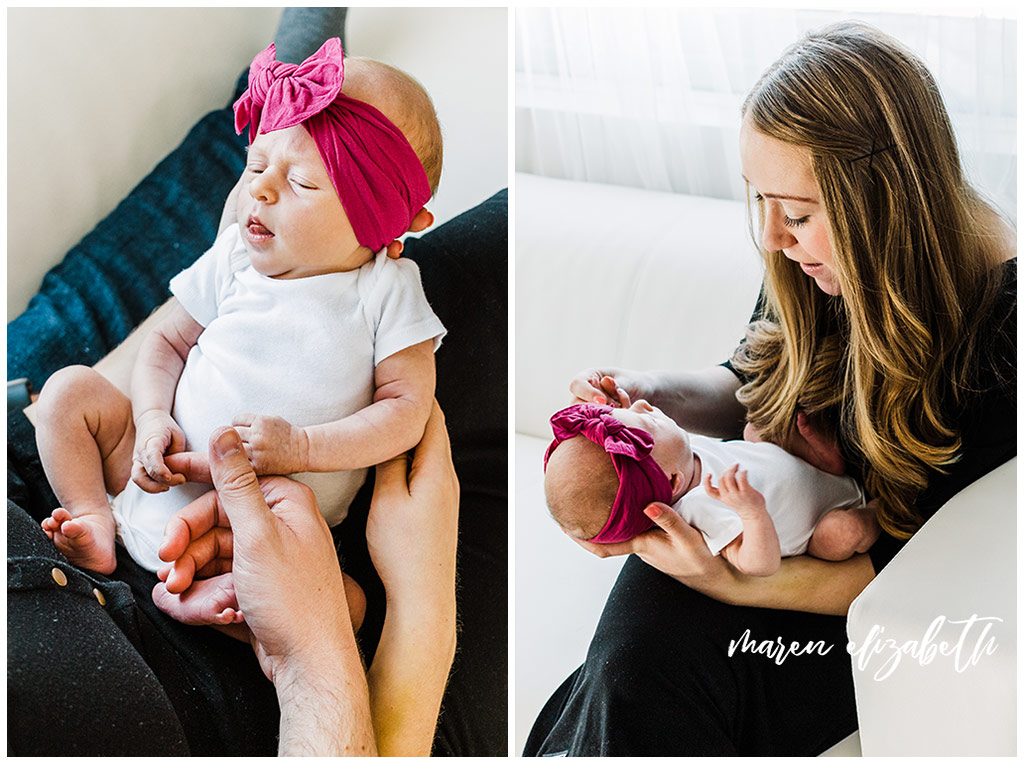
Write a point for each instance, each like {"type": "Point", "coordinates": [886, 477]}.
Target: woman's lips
{"type": "Point", "coordinates": [812, 269]}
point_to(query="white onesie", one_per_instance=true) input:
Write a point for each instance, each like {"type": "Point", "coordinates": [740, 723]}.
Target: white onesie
{"type": "Point", "coordinates": [302, 349]}
{"type": "Point", "coordinates": [796, 494]}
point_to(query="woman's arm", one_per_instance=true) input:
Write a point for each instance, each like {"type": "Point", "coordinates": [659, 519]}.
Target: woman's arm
{"type": "Point", "coordinates": [801, 583]}
{"type": "Point", "coordinates": [411, 533]}
{"type": "Point", "coordinates": [700, 401]}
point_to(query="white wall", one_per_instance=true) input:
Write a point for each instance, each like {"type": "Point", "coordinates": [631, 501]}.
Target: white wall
{"type": "Point", "coordinates": [97, 96]}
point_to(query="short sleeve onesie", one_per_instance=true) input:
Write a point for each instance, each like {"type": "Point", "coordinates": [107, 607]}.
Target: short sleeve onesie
{"type": "Point", "coordinates": [796, 494]}
{"type": "Point", "coordinates": [302, 349]}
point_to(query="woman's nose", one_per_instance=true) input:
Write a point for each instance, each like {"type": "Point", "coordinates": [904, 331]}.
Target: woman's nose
{"type": "Point", "coordinates": [775, 236]}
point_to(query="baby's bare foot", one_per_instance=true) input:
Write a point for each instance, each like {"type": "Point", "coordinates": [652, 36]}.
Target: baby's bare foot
{"type": "Point", "coordinates": [87, 540]}
{"type": "Point", "coordinates": [207, 602]}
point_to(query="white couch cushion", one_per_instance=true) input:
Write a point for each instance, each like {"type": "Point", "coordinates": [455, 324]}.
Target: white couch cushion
{"type": "Point", "coordinates": [607, 275]}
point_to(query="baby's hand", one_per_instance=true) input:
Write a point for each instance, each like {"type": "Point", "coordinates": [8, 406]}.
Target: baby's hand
{"type": "Point", "coordinates": [734, 491]}
{"type": "Point", "coordinates": [273, 445]}
{"type": "Point", "coordinates": [156, 434]}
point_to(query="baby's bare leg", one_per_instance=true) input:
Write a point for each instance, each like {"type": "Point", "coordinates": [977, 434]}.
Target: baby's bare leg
{"type": "Point", "coordinates": [841, 533]}
{"type": "Point", "coordinates": [86, 436]}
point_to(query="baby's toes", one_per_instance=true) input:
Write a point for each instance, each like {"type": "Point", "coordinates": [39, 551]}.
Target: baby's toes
{"type": "Point", "coordinates": [228, 616]}
{"type": "Point", "coordinates": [75, 531]}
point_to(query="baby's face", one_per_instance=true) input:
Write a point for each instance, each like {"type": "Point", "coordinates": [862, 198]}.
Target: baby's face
{"type": "Point", "coordinates": [671, 442]}
{"type": "Point", "coordinates": [290, 215]}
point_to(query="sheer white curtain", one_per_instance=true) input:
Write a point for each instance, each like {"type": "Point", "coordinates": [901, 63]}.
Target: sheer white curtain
{"type": "Point", "coordinates": [650, 97]}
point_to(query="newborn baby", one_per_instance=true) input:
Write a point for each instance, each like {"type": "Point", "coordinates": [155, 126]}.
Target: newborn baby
{"type": "Point", "coordinates": [296, 326]}
{"type": "Point", "coordinates": [607, 464]}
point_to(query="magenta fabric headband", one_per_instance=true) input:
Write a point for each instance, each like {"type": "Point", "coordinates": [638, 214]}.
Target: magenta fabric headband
{"type": "Point", "coordinates": [641, 480]}
{"type": "Point", "coordinates": [379, 179]}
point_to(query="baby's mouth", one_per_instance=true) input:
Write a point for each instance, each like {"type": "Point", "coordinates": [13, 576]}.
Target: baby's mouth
{"type": "Point", "coordinates": [256, 228]}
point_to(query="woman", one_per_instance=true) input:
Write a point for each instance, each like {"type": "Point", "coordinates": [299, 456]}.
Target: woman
{"type": "Point", "coordinates": [886, 346]}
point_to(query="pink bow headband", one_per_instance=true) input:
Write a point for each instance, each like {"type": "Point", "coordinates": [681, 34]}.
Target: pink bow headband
{"type": "Point", "coordinates": [376, 173]}
{"type": "Point", "coordinates": [641, 479]}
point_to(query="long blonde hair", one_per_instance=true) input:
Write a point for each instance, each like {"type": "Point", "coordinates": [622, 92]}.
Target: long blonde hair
{"type": "Point", "coordinates": [913, 245]}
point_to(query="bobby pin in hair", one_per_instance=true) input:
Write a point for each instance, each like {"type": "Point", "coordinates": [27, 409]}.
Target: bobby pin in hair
{"type": "Point", "coordinates": [870, 156]}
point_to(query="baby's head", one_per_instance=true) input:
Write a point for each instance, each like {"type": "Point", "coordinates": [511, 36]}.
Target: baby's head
{"type": "Point", "coordinates": [607, 464]}
{"type": "Point", "coordinates": [346, 154]}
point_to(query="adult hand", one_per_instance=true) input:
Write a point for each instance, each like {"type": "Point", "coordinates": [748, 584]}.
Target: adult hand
{"type": "Point", "coordinates": [675, 548]}
{"type": "Point", "coordinates": [809, 442]}
{"type": "Point", "coordinates": [421, 499]}
{"type": "Point", "coordinates": [615, 387]}
{"type": "Point", "coordinates": [423, 220]}
{"type": "Point", "coordinates": [289, 586]}
{"type": "Point", "coordinates": [287, 577]}
{"type": "Point", "coordinates": [411, 533]}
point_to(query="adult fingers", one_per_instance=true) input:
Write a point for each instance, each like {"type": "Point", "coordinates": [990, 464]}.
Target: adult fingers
{"type": "Point", "coordinates": [616, 395]}
{"type": "Point", "coordinates": [209, 554]}
{"type": "Point", "coordinates": [392, 477]}
{"type": "Point", "coordinates": [432, 460]}
{"type": "Point", "coordinates": [667, 519]}
{"type": "Point", "coordinates": [194, 466]}
{"type": "Point", "coordinates": [616, 549]}
{"type": "Point", "coordinates": [190, 523]}
{"type": "Point", "coordinates": [237, 487]}
{"type": "Point", "coordinates": [395, 249]}
{"type": "Point", "coordinates": [582, 390]}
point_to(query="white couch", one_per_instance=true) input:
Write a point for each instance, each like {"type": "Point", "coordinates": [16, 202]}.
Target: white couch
{"type": "Point", "coordinates": [639, 279]}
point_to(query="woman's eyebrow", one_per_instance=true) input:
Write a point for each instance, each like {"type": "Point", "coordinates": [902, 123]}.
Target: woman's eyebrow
{"type": "Point", "coordinates": [787, 197]}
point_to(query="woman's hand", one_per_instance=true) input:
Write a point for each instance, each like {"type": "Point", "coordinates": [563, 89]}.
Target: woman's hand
{"type": "Point", "coordinates": [802, 583]}
{"type": "Point", "coordinates": [615, 387]}
{"type": "Point", "coordinates": [675, 548]}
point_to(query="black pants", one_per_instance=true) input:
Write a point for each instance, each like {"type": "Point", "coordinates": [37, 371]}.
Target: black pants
{"type": "Point", "coordinates": [659, 681]}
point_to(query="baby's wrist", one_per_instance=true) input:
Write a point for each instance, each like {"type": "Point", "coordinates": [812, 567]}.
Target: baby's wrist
{"type": "Point", "coordinates": [303, 449]}
{"type": "Point", "coordinates": [150, 413]}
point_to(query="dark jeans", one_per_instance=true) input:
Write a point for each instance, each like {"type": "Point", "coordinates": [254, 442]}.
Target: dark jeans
{"type": "Point", "coordinates": [122, 678]}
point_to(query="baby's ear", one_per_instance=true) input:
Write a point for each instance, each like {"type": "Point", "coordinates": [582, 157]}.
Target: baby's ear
{"type": "Point", "coordinates": [676, 479]}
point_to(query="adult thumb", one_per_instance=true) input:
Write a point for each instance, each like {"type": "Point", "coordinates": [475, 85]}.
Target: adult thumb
{"type": "Point", "coordinates": [238, 488]}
